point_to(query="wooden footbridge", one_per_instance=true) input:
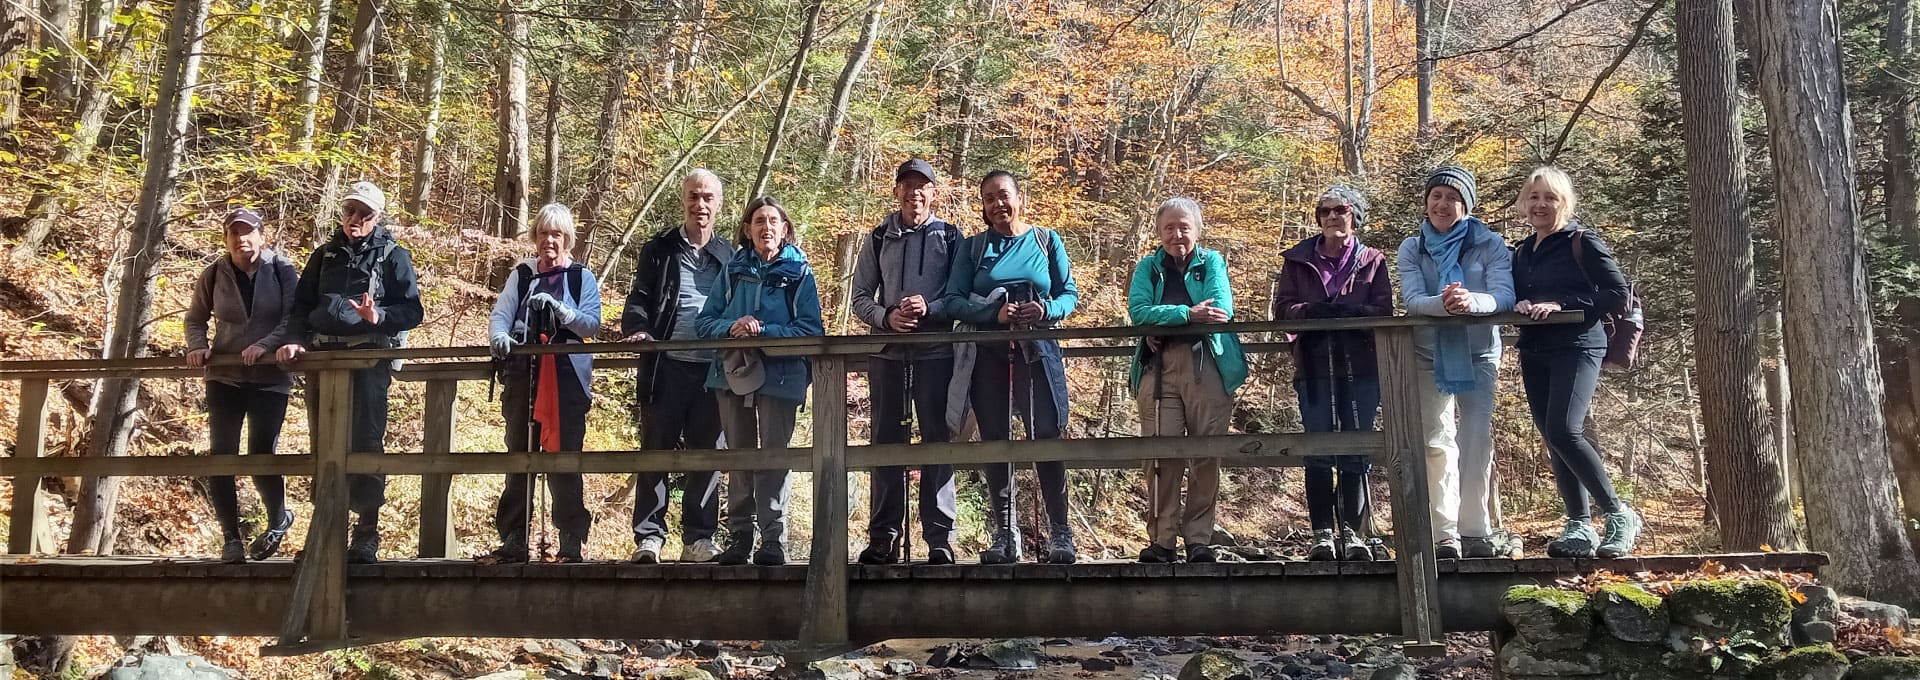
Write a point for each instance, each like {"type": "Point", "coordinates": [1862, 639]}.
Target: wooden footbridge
{"type": "Point", "coordinates": [319, 602]}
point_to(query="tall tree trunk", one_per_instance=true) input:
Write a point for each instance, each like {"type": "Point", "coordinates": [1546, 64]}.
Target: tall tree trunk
{"type": "Point", "coordinates": [550, 191]}
{"type": "Point", "coordinates": [786, 102]}
{"type": "Point", "coordinates": [1901, 347]}
{"type": "Point", "coordinates": [113, 422]}
{"type": "Point", "coordinates": [963, 143]}
{"type": "Point", "coordinates": [1750, 496]}
{"type": "Point", "coordinates": [417, 201]}
{"type": "Point", "coordinates": [44, 206]}
{"type": "Point", "coordinates": [513, 171]}
{"type": "Point", "coordinates": [1423, 71]}
{"type": "Point", "coordinates": [606, 135]}
{"type": "Point", "coordinates": [1851, 497]}
{"type": "Point", "coordinates": [311, 65]}
{"type": "Point", "coordinates": [843, 87]}
{"type": "Point", "coordinates": [96, 21]}
{"type": "Point", "coordinates": [56, 34]}
{"type": "Point", "coordinates": [346, 108]}
{"type": "Point", "coordinates": [13, 44]}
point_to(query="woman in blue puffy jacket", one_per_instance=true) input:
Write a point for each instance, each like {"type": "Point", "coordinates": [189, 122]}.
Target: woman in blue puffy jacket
{"type": "Point", "coordinates": [767, 291]}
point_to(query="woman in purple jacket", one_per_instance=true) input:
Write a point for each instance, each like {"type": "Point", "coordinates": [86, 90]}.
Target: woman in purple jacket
{"type": "Point", "coordinates": [1329, 276]}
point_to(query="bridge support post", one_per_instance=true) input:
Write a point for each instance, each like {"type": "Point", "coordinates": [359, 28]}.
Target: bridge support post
{"type": "Point", "coordinates": [318, 609]}
{"type": "Point", "coordinates": [1418, 576]}
{"type": "Point", "coordinates": [436, 502]}
{"type": "Point", "coordinates": [27, 531]}
{"type": "Point", "coordinates": [825, 621]}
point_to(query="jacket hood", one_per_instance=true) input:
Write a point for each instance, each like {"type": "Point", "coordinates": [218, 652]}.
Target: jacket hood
{"type": "Point", "coordinates": [1304, 250]}
{"type": "Point", "coordinates": [893, 228]}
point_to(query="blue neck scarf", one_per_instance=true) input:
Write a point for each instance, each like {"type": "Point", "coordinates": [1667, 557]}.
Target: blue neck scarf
{"type": "Point", "coordinates": [1452, 357]}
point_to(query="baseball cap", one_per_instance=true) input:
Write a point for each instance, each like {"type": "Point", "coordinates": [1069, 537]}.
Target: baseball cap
{"type": "Point", "coordinates": [365, 193]}
{"type": "Point", "coordinates": [244, 216]}
{"type": "Point", "coordinates": [915, 165]}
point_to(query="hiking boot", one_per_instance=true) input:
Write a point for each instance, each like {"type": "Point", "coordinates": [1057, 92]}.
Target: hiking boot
{"type": "Point", "coordinates": [507, 553]}
{"type": "Point", "coordinates": [1352, 548]}
{"type": "Point", "coordinates": [570, 549]}
{"type": "Point", "coordinates": [702, 550]}
{"type": "Point", "coordinates": [1577, 539]}
{"type": "Point", "coordinates": [739, 551]}
{"type": "Point", "coordinates": [1060, 548]}
{"type": "Point", "coordinates": [1323, 549]}
{"type": "Point", "coordinates": [648, 550]}
{"type": "Point", "coordinates": [940, 554]}
{"type": "Point", "coordinates": [268, 544]}
{"type": "Point", "coordinates": [1201, 554]}
{"type": "Point", "coordinates": [363, 547]}
{"type": "Point", "coordinates": [1378, 548]}
{"type": "Point", "coordinates": [1477, 547]}
{"type": "Point", "coordinates": [234, 552]}
{"type": "Point", "coordinates": [1154, 554]}
{"type": "Point", "coordinates": [1623, 528]}
{"type": "Point", "coordinates": [770, 554]}
{"type": "Point", "coordinates": [1447, 549]}
{"type": "Point", "coordinates": [877, 554]}
{"type": "Point", "coordinates": [1005, 548]}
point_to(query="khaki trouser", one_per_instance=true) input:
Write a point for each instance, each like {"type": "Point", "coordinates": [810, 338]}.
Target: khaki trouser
{"type": "Point", "coordinates": [1192, 402]}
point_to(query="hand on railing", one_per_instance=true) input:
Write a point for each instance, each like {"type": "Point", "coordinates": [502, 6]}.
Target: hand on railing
{"type": "Point", "coordinates": [197, 358]}
{"type": "Point", "coordinates": [290, 353]}
{"type": "Point", "coordinates": [1536, 310]}
{"type": "Point", "coordinates": [640, 336]}
{"type": "Point", "coordinates": [1205, 312]}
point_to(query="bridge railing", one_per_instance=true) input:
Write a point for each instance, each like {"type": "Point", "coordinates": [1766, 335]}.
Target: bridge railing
{"type": "Point", "coordinates": [317, 617]}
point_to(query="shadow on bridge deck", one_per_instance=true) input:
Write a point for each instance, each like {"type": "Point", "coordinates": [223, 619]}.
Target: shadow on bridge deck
{"type": "Point", "coordinates": [423, 598]}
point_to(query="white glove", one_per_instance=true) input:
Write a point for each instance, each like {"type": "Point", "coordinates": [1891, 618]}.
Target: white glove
{"type": "Point", "coordinates": [562, 314]}
{"type": "Point", "coordinates": [502, 344]}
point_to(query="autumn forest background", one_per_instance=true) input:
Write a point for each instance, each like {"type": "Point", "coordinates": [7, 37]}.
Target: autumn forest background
{"type": "Point", "coordinates": [129, 127]}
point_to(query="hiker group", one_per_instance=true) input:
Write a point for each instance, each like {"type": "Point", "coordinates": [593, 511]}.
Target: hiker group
{"type": "Point", "coordinates": [917, 273]}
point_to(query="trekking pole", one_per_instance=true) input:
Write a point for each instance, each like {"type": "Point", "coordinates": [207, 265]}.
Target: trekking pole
{"type": "Point", "coordinates": [904, 551]}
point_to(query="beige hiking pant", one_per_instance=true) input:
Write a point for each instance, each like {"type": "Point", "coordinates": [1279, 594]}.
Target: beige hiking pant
{"type": "Point", "coordinates": [1192, 402]}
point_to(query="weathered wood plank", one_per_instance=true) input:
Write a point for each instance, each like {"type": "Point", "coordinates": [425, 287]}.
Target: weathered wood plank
{"type": "Point", "coordinates": [1418, 579]}
{"type": "Point", "coordinates": [436, 500]}
{"type": "Point", "coordinates": [321, 580]}
{"type": "Point", "coordinates": [825, 621]}
{"type": "Point", "coordinates": [1127, 451]}
{"type": "Point", "coordinates": [29, 518]}
{"type": "Point", "coordinates": [159, 466]}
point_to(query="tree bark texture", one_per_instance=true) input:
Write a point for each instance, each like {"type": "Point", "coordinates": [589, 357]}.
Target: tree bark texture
{"type": "Point", "coordinates": [13, 43]}
{"type": "Point", "coordinates": [606, 135]}
{"type": "Point", "coordinates": [786, 102]}
{"type": "Point", "coordinates": [93, 525]}
{"type": "Point", "coordinates": [56, 34]}
{"type": "Point", "coordinates": [346, 109]}
{"type": "Point", "coordinates": [45, 204]}
{"type": "Point", "coordinates": [849, 76]}
{"type": "Point", "coordinates": [1851, 497]}
{"type": "Point", "coordinates": [417, 201]}
{"type": "Point", "coordinates": [311, 64]}
{"type": "Point", "coordinates": [1900, 349]}
{"type": "Point", "coordinates": [513, 171]}
{"type": "Point", "coordinates": [550, 189]}
{"type": "Point", "coordinates": [1750, 496]}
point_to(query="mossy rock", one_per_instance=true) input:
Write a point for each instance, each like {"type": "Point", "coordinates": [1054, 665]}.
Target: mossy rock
{"type": "Point", "coordinates": [1549, 619]}
{"type": "Point", "coordinates": [1215, 664]}
{"type": "Point", "coordinates": [1631, 613]}
{"type": "Point", "coordinates": [1723, 607]}
{"type": "Point", "coordinates": [1885, 668]}
{"type": "Point", "coordinates": [1813, 662]}
{"type": "Point", "coordinates": [1634, 661]}
{"type": "Point", "coordinates": [1520, 659]}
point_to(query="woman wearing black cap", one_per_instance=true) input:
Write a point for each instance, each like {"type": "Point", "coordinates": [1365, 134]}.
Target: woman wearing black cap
{"type": "Point", "coordinates": [248, 291]}
{"type": "Point", "coordinates": [1563, 266]}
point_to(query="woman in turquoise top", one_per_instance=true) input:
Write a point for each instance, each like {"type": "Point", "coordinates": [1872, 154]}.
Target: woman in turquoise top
{"type": "Point", "coordinates": [1190, 389]}
{"type": "Point", "coordinates": [1016, 275]}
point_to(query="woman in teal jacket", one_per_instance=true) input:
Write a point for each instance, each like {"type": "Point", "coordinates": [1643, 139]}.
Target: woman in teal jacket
{"type": "Point", "coordinates": [1189, 391]}
{"type": "Point", "coordinates": [767, 291]}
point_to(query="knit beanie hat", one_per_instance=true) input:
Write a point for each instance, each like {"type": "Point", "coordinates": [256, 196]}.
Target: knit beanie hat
{"type": "Point", "coordinates": [1459, 179]}
{"type": "Point", "coordinates": [1349, 196]}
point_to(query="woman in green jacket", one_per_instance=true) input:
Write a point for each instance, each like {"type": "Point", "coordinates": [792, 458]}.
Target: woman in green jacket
{"type": "Point", "coordinates": [1183, 383]}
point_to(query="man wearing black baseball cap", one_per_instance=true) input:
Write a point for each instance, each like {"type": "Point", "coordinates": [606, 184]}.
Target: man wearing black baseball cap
{"type": "Point", "coordinates": [897, 285]}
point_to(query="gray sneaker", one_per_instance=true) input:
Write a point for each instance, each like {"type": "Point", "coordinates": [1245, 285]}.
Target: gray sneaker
{"type": "Point", "coordinates": [1577, 539]}
{"type": "Point", "coordinates": [1005, 548]}
{"type": "Point", "coordinates": [1476, 547]}
{"type": "Point", "coordinates": [1353, 548]}
{"type": "Point", "coordinates": [648, 550]}
{"type": "Point", "coordinates": [1060, 548]}
{"type": "Point", "coordinates": [1623, 528]}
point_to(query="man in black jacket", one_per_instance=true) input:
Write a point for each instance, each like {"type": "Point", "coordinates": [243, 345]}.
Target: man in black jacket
{"type": "Point", "coordinates": [677, 268]}
{"type": "Point", "coordinates": [358, 291]}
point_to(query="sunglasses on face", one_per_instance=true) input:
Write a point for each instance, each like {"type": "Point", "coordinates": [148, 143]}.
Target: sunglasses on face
{"type": "Point", "coordinates": [358, 212]}
{"type": "Point", "coordinates": [1335, 210]}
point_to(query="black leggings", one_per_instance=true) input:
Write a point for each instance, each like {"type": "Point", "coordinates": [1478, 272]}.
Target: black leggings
{"type": "Point", "coordinates": [1004, 384]}
{"type": "Point", "coordinates": [263, 410]}
{"type": "Point", "coordinates": [1560, 384]}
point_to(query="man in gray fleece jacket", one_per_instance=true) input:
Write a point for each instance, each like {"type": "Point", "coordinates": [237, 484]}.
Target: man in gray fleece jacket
{"type": "Point", "coordinates": [897, 285]}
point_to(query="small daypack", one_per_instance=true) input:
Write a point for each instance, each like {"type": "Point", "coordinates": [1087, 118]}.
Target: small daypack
{"type": "Point", "coordinates": [1623, 326]}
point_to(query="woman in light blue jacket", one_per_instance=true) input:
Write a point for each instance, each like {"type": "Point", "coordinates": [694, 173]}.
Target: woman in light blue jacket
{"type": "Point", "coordinates": [549, 299]}
{"type": "Point", "coordinates": [766, 291]}
{"type": "Point", "coordinates": [1458, 266]}
{"type": "Point", "coordinates": [1193, 376]}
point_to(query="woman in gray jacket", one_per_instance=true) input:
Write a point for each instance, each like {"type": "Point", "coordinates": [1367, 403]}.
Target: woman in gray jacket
{"type": "Point", "coordinates": [248, 293]}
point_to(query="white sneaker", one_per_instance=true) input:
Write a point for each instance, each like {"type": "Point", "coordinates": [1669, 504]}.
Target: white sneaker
{"type": "Point", "coordinates": [648, 551]}
{"type": "Point", "coordinates": [702, 550]}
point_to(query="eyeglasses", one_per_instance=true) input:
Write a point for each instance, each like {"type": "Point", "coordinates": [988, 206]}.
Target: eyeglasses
{"type": "Point", "coordinates": [357, 211]}
{"type": "Point", "coordinates": [1335, 210]}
